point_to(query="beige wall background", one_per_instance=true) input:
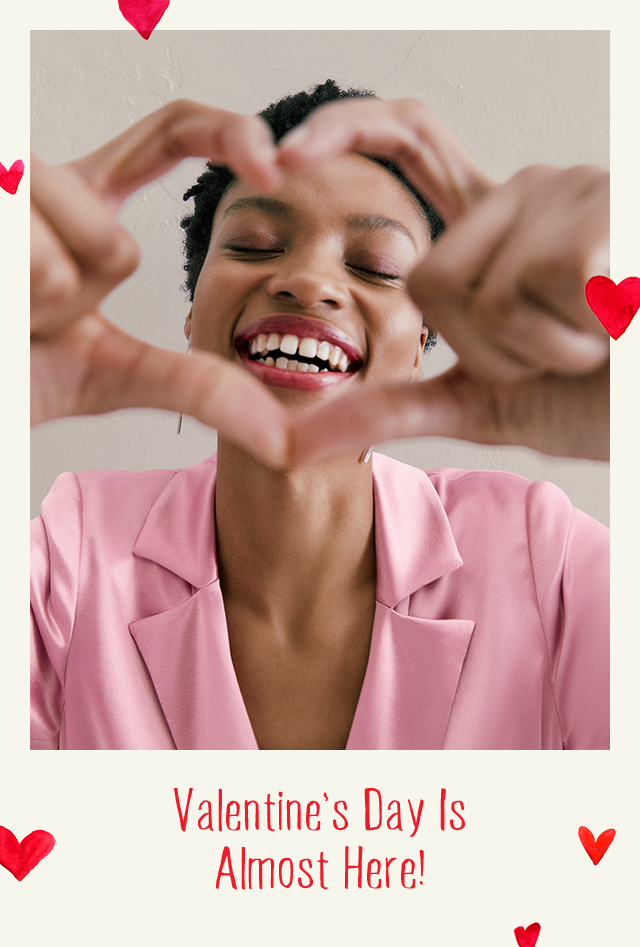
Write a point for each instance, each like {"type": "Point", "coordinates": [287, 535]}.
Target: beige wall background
{"type": "Point", "coordinates": [512, 97]}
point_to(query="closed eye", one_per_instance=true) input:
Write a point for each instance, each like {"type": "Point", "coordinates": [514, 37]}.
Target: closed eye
{"type": "Point", "coordinates": [254, 251]}
{"type": "Point", "coordinates": [267, 252]}
{"type": "Point", "coordinates": [376, 274]}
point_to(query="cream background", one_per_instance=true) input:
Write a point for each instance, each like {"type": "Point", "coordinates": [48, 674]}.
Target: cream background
{"type": "Point", "coordinates": [122, 872]}
{"type": "Point", "coordinates": [512, 98]}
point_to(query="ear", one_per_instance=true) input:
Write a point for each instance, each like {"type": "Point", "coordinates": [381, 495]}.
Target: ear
{"type": "Point", "coordinates": [417, 365]}
{"type": "Point", "coordinates": [187, 325]}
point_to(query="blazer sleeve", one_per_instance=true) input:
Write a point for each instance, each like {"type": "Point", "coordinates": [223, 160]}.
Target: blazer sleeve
{"type": "Point", "coordinates": [56, 539]}
{"type": "Point", "coordinates": [570, 560]}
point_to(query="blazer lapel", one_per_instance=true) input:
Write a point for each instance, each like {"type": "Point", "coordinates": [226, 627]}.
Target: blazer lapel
{"type": "Point", "coordinates": [179, 532]}
{"type": "Point", "coordinates": [411, 680]}
{"type": "Point", "coordinates": [414, 542]}
{"type": "Point", "coordinates": [186, 651]}
{"type": "Point", "coordinates": [415, 661]}
{"type": "Point", "coordinates": [186, 647]}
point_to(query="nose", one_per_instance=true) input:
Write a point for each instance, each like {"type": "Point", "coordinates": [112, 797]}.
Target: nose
{"type": "Point", "coordinates": [312, 280]}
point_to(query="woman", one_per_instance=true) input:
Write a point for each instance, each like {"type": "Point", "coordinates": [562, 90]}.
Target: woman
{"type": "Point", "coordinates": [259, 602]}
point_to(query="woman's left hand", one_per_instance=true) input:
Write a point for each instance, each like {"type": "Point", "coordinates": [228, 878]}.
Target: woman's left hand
{"type": "Point", "coordinates": [504, 285]}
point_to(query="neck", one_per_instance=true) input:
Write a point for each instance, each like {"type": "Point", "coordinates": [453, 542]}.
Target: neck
{"type": "Point", "coordinates": [299, 536]}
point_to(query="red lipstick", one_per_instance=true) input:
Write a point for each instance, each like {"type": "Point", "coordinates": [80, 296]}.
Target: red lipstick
{"type": "Point", "coordinates": [294, 351]}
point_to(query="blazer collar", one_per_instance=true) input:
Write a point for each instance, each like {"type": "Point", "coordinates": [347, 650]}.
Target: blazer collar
{"type": "Point", "coordinates": [414, 542]}
{"type": "Point", "coordinates": [179, 531]}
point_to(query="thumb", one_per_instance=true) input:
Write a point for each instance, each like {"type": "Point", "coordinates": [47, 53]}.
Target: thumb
{"type": "Point", "coordinates": [95, 367]}
{"type": "Point", "coordinates": [447, 406]}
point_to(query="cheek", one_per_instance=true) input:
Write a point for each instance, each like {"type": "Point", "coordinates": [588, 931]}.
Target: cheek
{"type": "Point", "coordinates": [399, 341]}
{"type": "Point", "coordinates": [215, 303]}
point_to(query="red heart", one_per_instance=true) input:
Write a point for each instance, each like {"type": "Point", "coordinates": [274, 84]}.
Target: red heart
{"type": "Point", "coordinates": [144, 15]}
{"type": "Point", "coordinates": [10, 179]}
{"type": "Point", "coordinates": [615, 306]}
{"type": "Point", "coordinates": [596, 849]}
{"type": "Point", "coordinates": [529, 937]}
{"type": "Point", "coordinates": [20, 857]}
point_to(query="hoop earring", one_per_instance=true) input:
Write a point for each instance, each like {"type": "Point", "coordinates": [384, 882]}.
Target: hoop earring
{"type": "Point", "coordinates": [180, 415]}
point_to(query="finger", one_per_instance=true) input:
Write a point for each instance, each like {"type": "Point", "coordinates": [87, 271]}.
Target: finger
{"type": "Point", "coordinates": [575, 247]}
{"type": "Point", "coordinates": [469, 287]}
{"type": "Point", "coordinates": [504, 339]}
{"type": "Point", "coordinates": [528, 323]}
{"type": "Point", "coordinates": [404, 131]}
{"type": "Point", "coordinates": [81, 220]}
{"type": "Point", "coordinates": [507, 247]}
{"type": "Point", "coordinates": [83, 236]}
{"type": "Point", "coordinates": [375, 415]}
{"type": "Point", "coordinates": [554, 249]}
{"type": "Point", "coordinates": [565, 417]}
{"type": "Point", "coordinates": [55, 277]}
{"type": "Point", "coordinates": [558, 282]}
{"type": "Point", "coordinates": [446, 285]}
{"type": "Point", "coordinates": [218, 394]}
{"type": "Point", "coordinates": [179, 130]}
{"type": "Point", "coordinates": [456, 263]}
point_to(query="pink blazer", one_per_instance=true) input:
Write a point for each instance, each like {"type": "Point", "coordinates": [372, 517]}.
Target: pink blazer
{"type": "Point", "coordinates": [490, 629]}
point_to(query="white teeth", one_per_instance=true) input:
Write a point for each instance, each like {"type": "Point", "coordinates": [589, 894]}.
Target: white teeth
{"type": "Point", "coordinates": [308, 348]}
{"type": "Point", "coordinates": [323, 351]}
{"type": "Point", "coordinates": [334, 355]}
{"type": "Point", "coordinates": [289, 344]}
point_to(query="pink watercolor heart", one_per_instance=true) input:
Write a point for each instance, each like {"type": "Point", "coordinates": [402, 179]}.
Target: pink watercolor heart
{"type": "Point", "coordinates": [144, 15]}
{"type": "Point", "coordinates": [528, 937]}
{"type": "Point", "coordinates": [20, 857]}
{"type": "Point", "coordinates": [615, 306]}
{"type": "Point", "coordinates": [10, 179]}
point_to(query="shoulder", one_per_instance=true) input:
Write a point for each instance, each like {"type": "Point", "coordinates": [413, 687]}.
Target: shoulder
{"type": "Point", "coordinates": [490, 506]}
{"type": "Point", "coordinates": [121, 499]}
{"type": "Point", "coordinates": [498, 494]}
{"type": "Point", "coordinates": [485, 491]}
{"type": "Point", "coordinates": [103, 493]}
{"type": "Point", "coordinates": [494, 486]}
{"type": "Point", "coordinates": [513, 514]}
{"type": "Point", "coordinates": [122, 492]}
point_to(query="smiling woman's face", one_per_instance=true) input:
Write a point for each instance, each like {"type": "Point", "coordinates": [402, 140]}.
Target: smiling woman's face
{"type": "Point", "coordinates": [305, 287]}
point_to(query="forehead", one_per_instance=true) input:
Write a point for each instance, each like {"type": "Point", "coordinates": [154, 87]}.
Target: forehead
{"type": "Point", "coordinates": [350, 192]}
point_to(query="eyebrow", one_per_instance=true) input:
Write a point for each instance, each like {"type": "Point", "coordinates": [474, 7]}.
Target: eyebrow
{"type": "Point", "coordinates": [268, 205]}
{"type": "Point", "coordinates": [373, 222]}
{"type": "Point", "coordinates": [367, 223]}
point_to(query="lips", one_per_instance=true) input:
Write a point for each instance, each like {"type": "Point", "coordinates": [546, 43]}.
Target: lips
{"type": "Point", "coordinates": [297, 352]}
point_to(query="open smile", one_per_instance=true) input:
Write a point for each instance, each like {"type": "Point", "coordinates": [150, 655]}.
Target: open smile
{"type": "Point", "coordinates": [296, 352]}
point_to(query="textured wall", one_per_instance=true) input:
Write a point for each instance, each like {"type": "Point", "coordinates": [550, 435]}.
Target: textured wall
{"type": "Point", "coordinates": [512, 98]}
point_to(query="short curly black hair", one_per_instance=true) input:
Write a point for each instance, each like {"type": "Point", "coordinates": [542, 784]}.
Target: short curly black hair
{"type": "Point", "coordinates": [212, 184]}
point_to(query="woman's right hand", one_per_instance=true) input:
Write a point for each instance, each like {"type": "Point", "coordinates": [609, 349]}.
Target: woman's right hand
{"type": "Point", "coordinates": [81, 362]}
{"type": "Point", "coordinates": [504, 286]}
